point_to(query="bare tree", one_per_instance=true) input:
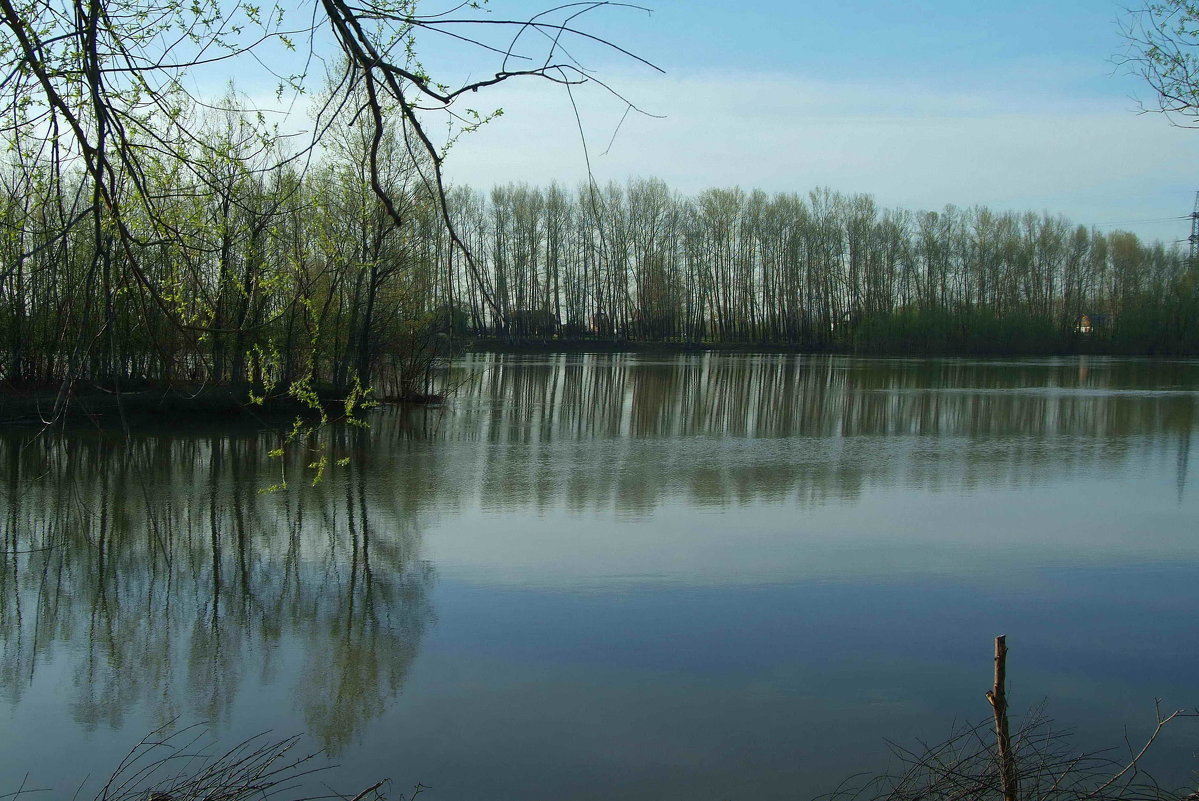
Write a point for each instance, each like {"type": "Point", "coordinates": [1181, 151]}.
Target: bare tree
{"type": "Point", "coordinates": [96, 94]}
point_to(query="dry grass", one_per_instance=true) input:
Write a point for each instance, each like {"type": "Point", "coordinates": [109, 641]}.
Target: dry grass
{"type": "Point", "coordinates": [965, 767]}
{"type": "Point", "coordinates": [177, 766]}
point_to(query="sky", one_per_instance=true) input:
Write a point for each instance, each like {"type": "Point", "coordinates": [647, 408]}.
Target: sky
{"type": "Point", "coordinates": [1014, 105]}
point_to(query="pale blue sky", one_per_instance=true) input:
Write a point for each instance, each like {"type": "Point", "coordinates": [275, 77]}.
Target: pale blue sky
{"type": "Point", "coordinates": [1015, 105]}
{"type": "Point", "coordinates": [863, 39]}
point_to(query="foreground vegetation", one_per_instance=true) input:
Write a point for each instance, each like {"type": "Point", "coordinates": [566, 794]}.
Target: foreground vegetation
{"type": "Point", "coordinates": [986, 760]}
{"type": "Point", "coordinates": [1048, 767]}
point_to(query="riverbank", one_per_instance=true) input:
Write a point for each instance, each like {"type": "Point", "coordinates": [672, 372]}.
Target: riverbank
{"type": "Point", "coordinates": [502, 345]}
{"type": "Point", "coordinates": [35, 404]}
{"type": "Point", "coordinates": [547, 346]}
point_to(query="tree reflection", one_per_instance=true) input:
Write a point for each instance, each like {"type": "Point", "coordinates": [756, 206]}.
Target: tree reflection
{"type": "Point", "coordinates": [631, 432]}
{"type": "Point", "coordinates": [173, 583]}
{"type": "Point", "coordinates": [159, 561]}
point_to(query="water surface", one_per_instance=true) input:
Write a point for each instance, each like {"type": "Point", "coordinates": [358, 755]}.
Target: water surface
{"type": "Point", "coordinates": [702, 576]}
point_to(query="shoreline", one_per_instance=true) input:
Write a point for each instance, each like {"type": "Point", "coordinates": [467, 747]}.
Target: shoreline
{"type": "Point", "coordinates": [549, 346]}
{"type": "Point", "coordinates": [151, 404]}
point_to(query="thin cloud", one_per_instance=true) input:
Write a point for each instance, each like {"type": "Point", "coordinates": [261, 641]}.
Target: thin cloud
{"type": "Point", "coordinates": [1092, 160]}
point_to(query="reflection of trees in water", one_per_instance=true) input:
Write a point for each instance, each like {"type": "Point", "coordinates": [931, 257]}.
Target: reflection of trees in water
{"type": "Point", "coordinates": [594, 431]}
{"type": "Point", "coordinates": [161, 564]}
{"type": "Point", "coordinates": [173, 581]}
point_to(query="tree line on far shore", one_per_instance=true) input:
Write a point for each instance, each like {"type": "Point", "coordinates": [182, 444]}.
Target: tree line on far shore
{"type": "Point", "coordinates": [303, 279]}
{"type": "Point", "coordinates": [822, 271]}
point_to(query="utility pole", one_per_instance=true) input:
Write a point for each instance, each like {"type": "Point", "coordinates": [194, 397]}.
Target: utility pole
{"type": "Point", "coordinates": [1194, 237]}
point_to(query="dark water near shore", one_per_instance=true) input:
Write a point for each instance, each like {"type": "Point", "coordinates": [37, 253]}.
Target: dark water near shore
{"type": "Point", "coordinates": [643, 577]}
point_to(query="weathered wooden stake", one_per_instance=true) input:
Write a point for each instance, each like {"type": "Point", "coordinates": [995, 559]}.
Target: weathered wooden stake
{"type": "Point", "coordinates": [998, 699]}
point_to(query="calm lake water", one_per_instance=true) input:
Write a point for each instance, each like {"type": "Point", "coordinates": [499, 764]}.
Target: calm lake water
{"type": "Point", "coordinates": [617, 576]}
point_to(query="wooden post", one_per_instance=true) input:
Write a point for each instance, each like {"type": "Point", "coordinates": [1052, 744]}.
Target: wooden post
{"type": "Point", "coordinates": [998, 700]}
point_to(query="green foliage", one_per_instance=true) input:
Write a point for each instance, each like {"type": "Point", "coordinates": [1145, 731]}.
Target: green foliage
{"type": "Point", "coordinates": [817, 272]}
{"type": "Point", "coordinates": [157, 236]}
{"type": "Point", "coordinates": [965, 331]}
{"type": "Point", "coordinates": [1163, 48]}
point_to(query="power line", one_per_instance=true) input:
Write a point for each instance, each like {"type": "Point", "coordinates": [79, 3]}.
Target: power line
{"type": "Point", "coordinates": [1143, 222]}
